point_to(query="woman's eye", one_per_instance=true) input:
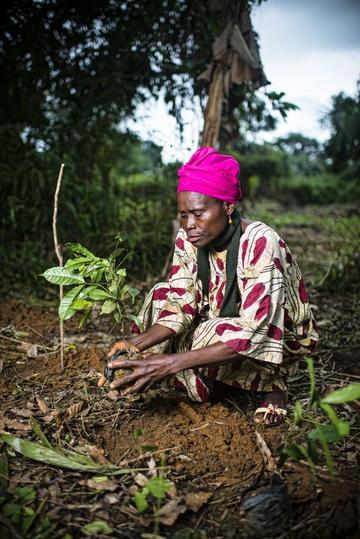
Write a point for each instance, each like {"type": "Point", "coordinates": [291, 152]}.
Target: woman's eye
{"type": "Point", "coordinates": [198, 213]}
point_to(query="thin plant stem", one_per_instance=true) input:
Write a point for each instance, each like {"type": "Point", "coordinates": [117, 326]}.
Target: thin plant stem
{"type": "Point", "coordinates": [59, 257]}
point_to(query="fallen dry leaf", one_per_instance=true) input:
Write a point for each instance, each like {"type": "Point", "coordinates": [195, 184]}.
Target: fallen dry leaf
{"type": "Point", "coordinates": [74, 409]}
{"type": "Point", "coordinates": [106, 484]}
{"type": "Point", "coordinates": [151, 464]}
{"type": "Point", "coordinates": [111, 498]}
{"type": "Point", "coordinates": [269, 460]}
{"type": "Point", "coordinates": [44, 408]}
{"type": "Point", "coordinates": [140, 479]}
{"type": "Point", "coordinates": [13, 424]}
{"type": "Point", "coordinates": [30, 349]}
{"type": "Point", "coordinates": [195, 500]}
{"type": "Point", "coordinates": [98, 455]}
{"type": "Point", "coordinates": [23, 412]}
{"type": "Point", "coordinates": [170, 512]}
{"type": "Point", "coordinates": [48, 418]}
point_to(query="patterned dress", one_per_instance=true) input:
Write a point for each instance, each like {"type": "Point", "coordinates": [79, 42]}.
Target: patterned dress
{"type": "Point", "coordinates": [274, 326]}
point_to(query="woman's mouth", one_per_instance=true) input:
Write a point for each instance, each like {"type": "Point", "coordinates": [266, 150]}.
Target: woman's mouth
{"type": "Point", "coordinates": [193, 239]}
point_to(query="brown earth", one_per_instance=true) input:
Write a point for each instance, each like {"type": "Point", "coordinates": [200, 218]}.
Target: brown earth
{"type": "Point", "coordinates": [209, 448]}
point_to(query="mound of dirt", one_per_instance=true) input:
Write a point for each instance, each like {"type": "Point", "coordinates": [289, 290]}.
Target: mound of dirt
{"type": "Point", "coordinates": [202, 440]}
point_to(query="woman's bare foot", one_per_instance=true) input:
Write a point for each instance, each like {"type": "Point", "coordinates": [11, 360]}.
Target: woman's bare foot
{"type": "Point", "coordinates": [272, 410]}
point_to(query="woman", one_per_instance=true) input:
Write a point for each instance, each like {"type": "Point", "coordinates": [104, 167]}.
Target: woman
{"type": "Point", "coordinates": [235, 309]}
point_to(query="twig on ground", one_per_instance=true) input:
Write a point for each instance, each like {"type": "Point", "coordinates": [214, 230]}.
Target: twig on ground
{"type": "Point", "coordinates": [59, 257]}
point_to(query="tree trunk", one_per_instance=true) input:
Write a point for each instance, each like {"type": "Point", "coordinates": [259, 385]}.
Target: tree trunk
{"type": "Point", "coordinates": [213, 112]}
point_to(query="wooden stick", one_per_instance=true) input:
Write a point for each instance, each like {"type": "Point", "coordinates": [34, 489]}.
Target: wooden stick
{"type": "Point", "coordinates": [59, 257]}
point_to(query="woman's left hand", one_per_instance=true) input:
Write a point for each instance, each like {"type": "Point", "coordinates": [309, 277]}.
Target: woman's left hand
{"type": "Point", "coordinates": [145, 372]}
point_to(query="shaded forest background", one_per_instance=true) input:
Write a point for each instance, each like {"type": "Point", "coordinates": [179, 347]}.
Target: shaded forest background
{"type": "Point", "coordinates": [72, 75]}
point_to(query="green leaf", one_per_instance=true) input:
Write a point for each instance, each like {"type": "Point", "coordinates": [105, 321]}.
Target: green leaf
{"type": "Point", "coordinates": [298, 412]}
{"type": "Point", "coordinates": [66, 309]}
{"type": "Point", "coordinates": [328, 431]}
{"type": "Point", "coordinates": [133, 292]}
{"type": "Point", "coordinates": [346, 394]}
{"type": "Point", "coordinates": [138, 432]}
{"type": "Point", "coordinates": [59, 275]}
{"type": "Point", "coordinates": [342, 427]}
{"type": "Point", "coordinates": [108, 307]}
{"type": "Point", "coordinates": [84, 318]}
{"type": "Point", "coordinates": [158, 487]}
{"type": "Point", "coordinates": [140, 499]}
{"type": "Point", "coordinates": [98, 294]}
{"type": "Point", "coordinates": [12, 511]}
{"type": "Point", "coordinates": [81, 304]}
{"type": "Point", "coordinates": [312, 450]}
{"type": "Point", "coordinates": [26, 494]}
{"type": "Point", "coordinates": [293, 452]}
{"type": "Point", "coordinates": [326, 451]}
{"type": "Point", "coordinates": [76, 263]}
{"type": "Point", "coordinates": [135, 319]}
{"type": "Point", "coordinates": [56, 457]}
{"type": "Point", "coordinates": [39, 433]}
{"type": "Point", "coordinates": [313, 395]}
{"type": "Point", "coordinates": [97, 527]}
{"type": "Point", "coordinates": [93, 269]}
{"type": "Point", "coordinates": [121, 272]}
{"type": "Point", "coordinates": [77, 248]}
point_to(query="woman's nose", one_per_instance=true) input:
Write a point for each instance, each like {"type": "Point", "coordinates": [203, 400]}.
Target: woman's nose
{"type": "Point", "coordinates": [191, 221]}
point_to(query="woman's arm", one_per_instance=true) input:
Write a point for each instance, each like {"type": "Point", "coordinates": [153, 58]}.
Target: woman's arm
{"type": "Point", "coordinates": [156, 334]}
{"type": "Point", "coordinates": [157, 366]}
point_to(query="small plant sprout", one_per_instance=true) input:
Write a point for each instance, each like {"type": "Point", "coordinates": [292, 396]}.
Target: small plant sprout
{"type": "Point", "coordinates": [154, 493]}
{"type": "Point", "coordinates": [314, 427]}
{"type": "Point", "coordinates": [90, 280]}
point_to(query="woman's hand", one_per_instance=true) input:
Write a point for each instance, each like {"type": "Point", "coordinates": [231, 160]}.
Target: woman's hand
{"type": "Point", "coordinates": [123, 346]}
{"type": "Point", "coordinates": [145, 372]}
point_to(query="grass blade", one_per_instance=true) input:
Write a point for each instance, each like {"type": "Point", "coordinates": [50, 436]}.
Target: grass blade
{"type": "Point", "coordinates": [39, 433]}
{"type": "Point", "coordinates": [56, 457]}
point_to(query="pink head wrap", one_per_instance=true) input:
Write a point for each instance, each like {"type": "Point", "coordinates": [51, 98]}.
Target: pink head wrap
{"type": "Point", "coordinates": [212, 174]}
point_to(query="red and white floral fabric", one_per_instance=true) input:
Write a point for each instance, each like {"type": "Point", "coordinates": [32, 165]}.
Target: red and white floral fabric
{"type": "Point", "coordinates": [274, 325]}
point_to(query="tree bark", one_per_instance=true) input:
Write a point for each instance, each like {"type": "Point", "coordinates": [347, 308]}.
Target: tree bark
{"type": "Point", "coordinates": [213, 112]}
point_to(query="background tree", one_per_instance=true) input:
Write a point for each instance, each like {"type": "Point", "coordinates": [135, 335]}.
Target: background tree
{"type": "Point", "coordinates": [343, 119]}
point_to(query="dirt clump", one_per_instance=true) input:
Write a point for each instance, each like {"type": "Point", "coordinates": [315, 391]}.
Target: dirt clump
{"type": "Point", "coordinates": [188, 432]}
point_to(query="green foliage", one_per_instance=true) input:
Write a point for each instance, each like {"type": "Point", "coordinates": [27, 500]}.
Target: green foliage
{"type": "Point", "coordinates": [102, 281]}
{"type": "Point", "coordinates": [264, 162]}
{"type": "Point", "coordinates": [153, 492]}
{"type": "Point", "coordinates": [157, 487]}
{"type": "Point", "coordinates": [18, 505]}
{"type": "Point", "coordinates": [324, 188]}
{"type": "Point", "coordinates": [343, 119]}
{"type": "Point", "coordinates": [97, 527]}
{"type": "Point", "coordinates": [304, 440]}
{"type": "Point", "coordinates": [343, 267]}
{"type": "Point", "coordinates": [248, 112]}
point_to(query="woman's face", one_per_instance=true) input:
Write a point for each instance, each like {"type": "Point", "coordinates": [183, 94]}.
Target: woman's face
{"type": "Point", "coordinates": [202, 217]}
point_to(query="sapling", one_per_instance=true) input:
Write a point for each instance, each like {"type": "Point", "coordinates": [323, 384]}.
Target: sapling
{"type": "Point", "coordinates": [91, 280]}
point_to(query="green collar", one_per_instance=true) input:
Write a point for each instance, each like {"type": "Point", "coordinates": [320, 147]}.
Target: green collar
{"type": "Point", "coordinates": [231, 237]}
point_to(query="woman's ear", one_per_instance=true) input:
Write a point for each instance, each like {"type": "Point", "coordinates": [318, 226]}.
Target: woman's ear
{"type": "Point", "coordinates": [229, 207]}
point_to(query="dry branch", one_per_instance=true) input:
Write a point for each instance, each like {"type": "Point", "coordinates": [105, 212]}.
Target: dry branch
{"type": "Point", "coordinates": [59, 257]}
